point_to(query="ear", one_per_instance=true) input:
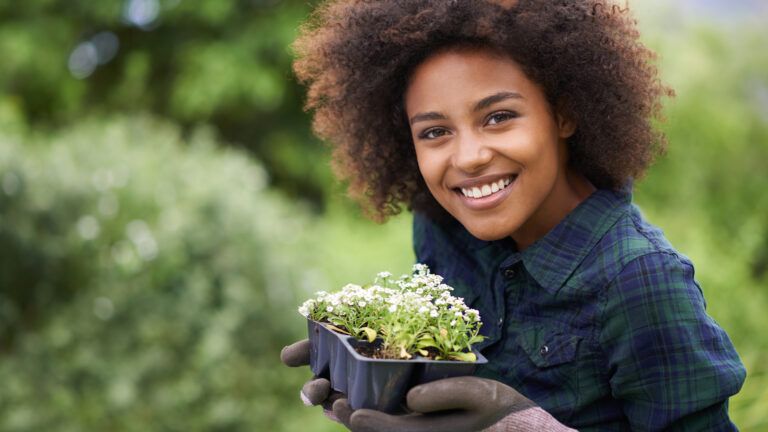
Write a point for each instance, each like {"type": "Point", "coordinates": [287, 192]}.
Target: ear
{"type": "Point", "coordinates": [566, 124]}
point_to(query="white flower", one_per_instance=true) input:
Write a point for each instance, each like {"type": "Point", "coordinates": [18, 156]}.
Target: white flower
{"type": "Point", "coordinates": [423, 309]}
{"type": "Point", "coordinates": [453, 323]}
{"type": "Point", "coordinates": [393, 308]}
{"type": "Point", "coordinates": [434, 280]}
{"type": "Point", "coordinates": [361, 303]}
{"type": "Point", "coordinates": [329, 309]}
{"type": "Point", "coordinates": [433, 313]}
{"type": "Point", "coordinates": [304, 310]}
{"type": "Point", "coordinates": [384, 274]}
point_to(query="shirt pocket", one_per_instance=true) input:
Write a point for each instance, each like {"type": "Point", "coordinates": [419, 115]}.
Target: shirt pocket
{"type": "Point", "coordinates": [549, 348]}
{"type": "Point", "coordinates": [550, 369]}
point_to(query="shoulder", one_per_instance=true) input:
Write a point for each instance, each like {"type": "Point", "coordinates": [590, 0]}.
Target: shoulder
{"type": "Point", "coordinates": [633, 247]}
{"type": "Point", "coordinates": [636, 237]}
{"type": "Point", "coordinates": [651, 304]}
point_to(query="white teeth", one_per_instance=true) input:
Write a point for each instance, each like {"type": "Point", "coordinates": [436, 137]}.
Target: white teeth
{"type": "Point", "coordinates": [486, 190]}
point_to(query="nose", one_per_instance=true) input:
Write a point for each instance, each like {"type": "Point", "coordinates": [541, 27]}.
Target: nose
{"type": "Point", "coordinates": [471, 154]}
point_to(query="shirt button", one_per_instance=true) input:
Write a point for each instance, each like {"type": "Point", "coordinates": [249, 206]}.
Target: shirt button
{"type": "Point", "coordinates": [501, 321]}
{"type": "Point", "coordinates": [544, 350]}
{"type": "Point", "coordinates": [509, 273]}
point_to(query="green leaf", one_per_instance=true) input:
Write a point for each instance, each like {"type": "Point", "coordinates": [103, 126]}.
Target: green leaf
{"type": "Point", "coordinates": [369, 333]}
{"type": "Point", "coordinates": [336, 329]}
{"type": "Point", "coordinates": [468, 357]}
{"type": "Point", "coordinates": [423, 352]}
{"type": "Point", "coordinates": [476, 339]}
{"type": "Point", "coordinates": [427, 343]}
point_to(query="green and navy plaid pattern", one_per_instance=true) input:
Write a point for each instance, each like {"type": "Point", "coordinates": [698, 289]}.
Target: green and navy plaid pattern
{"type": "Point", "coordinates": [600, 322]}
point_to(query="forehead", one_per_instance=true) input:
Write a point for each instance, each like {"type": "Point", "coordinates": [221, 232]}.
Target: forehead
{"type": "Point", "coordinates": [464, 75]}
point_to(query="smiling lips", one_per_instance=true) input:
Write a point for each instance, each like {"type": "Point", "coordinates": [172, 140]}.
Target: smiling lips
{"type": "Point", "coordinates": [484, 195]}
{"type": "Point", "coordinates": [483, 190]}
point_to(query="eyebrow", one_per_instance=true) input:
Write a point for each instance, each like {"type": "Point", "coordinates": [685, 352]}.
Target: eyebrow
{"type": "Point", "coordinates": [481, 104]}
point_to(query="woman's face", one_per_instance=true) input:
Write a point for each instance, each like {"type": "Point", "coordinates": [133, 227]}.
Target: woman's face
{"type": "Point", "coordinates": [490, 147]}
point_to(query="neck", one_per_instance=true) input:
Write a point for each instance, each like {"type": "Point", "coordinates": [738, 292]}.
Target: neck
{"type": "Point", "coordinates": [565, 196]}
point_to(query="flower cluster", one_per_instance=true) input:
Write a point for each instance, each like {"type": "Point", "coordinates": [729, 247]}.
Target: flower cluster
{"type": "Point", "coordinates": [413, 314]}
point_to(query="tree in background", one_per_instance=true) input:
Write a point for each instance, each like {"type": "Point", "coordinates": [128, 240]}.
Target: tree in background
{"type": "Point", "coordinates": [220, 62]}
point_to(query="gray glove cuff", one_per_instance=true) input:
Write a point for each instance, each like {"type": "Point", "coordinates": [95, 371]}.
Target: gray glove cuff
{"type": "Point", "coordinates": [529, 419]}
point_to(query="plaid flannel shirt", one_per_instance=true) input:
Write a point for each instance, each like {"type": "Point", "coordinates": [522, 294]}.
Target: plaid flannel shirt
{"type": "Point", "coordinates": [600, 322]}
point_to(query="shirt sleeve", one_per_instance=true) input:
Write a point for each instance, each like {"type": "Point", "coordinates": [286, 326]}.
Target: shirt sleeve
{"type": "Point", "coordinates": [429, 244]}
{"type": "Point", "coordinates": [669, 363]}
{"type": "Point", "coordinates": [420, 246]}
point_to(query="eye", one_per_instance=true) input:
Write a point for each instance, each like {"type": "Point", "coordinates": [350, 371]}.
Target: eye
{"type": "Point", "coordinates": [500, 117]}
{"type": "Point", "coordinates": [433, 133]}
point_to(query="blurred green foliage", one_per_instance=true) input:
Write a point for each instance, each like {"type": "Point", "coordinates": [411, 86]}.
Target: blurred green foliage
{"type": "Point", "coordinates": [141, 275]}
{"type": "Point", "coordinates": [150, 269]}
{"type": "Point", "coordinates": [221, 62]}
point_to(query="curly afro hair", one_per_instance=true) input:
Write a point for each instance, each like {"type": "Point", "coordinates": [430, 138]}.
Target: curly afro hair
{"type": "Point", "coordinates": [356, 57]}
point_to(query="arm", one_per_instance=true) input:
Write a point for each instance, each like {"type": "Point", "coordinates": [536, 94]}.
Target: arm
{"type": "Point", "coordinates": [672, 366]}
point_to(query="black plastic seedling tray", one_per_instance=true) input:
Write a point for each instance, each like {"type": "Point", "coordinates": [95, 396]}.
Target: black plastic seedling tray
{"type": "Point", "coordinates": [379, 384]}
{"type": "Point", "coordinates": [320, 339]}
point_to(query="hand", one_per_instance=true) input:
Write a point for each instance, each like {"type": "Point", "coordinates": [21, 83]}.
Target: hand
{"type": "Point", "coordinates": [450, 405]}
{"type": "Point", "coordinates": [457, 404]}
{"type": "Point", "coordinates": [316, 391]}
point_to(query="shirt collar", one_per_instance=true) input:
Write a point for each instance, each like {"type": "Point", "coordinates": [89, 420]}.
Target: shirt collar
{"type": "Point", "coordinates": [552, 259]}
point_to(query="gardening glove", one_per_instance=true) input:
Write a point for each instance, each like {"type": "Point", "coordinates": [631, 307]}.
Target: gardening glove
{"type": "Point", "coordinates": [316, 391]}
{"type": "Point", "coordinates": [529, 419]}
{"type": "Point", "coordinates": [457, 404]}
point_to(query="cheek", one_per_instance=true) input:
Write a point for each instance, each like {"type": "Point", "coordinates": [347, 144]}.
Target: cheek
{"type": "Point", "coordinates": [428, 166]}
{"type": "Point", "coordinates": [537, 150]}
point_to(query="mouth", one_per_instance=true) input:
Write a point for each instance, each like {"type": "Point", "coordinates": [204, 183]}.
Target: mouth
{"type": "Point", "coordinates": [484, 196]}
{"type": "Point", "coordinates": [484, 190]}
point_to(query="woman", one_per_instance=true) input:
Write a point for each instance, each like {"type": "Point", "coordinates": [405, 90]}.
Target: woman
{"type": "Point", "coordinates": [514, 131]}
